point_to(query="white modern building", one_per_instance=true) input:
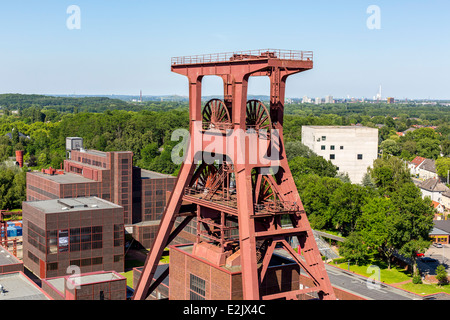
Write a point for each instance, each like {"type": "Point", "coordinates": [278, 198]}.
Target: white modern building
{"type": "Point", "coordinates": [351, 148]}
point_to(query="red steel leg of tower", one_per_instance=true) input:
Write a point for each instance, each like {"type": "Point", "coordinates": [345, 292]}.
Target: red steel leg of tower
{"type": "Point", "coordinates": [164, 231]}
{"type": "Point", "coordinates": [174, 203]}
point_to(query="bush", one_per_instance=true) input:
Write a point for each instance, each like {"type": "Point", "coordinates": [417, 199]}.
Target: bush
{"type": "Point", "coordinates": [417, 279]}
{"type": "Point", "coordinates": [441, 275]}
{"type": "Point", "coordinates": [339, 260]}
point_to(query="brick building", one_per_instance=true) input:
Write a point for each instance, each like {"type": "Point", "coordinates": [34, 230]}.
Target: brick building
{"type": "Point", "coordinates": [103, 285]}
{"type": "Point", "coordinates": [196, 274]}
{"type": "Point", "coordinates": [109, 176]}
{"type": "Point", "coordinates": [60, 234]}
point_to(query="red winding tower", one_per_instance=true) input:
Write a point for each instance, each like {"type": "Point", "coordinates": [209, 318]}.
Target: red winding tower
{"type": "Point", "coordinates": [243, 196]}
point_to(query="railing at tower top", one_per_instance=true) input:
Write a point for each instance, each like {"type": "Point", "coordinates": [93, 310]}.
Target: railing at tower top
{"type": "Point", "coordinates": [267, 207]}
{"type": "Point", "coordinates": [245, 55]}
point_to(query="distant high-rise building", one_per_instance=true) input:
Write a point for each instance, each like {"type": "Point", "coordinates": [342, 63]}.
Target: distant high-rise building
{"type": "Point", "coordinates": [318, 100]}
{"type": "Point", "coordinates": [390, 100]}
{"type": "Point", "coordinates": [306, 99]}
{"type": "Point", "coordinates": [329, 99]}
{"type": "Point", "coordinates": [378, 96]}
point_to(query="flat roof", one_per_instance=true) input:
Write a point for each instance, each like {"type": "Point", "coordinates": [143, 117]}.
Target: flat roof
{"type": "Point", "coordinates": [98, 277]}
{"type": "Point", "coordinates": [71, 204]}
{"type": "Point", "coordinates": [6, 258]}
{"type": "Point", "coordinates": [94, 152]}
{"type": "Point", "coordinates": [67, 177]}
{"type": "Point", "coordinates": [58, 283]}
{"type": "Point", "coordinates": [147, 174]}
{"type": "Point", "coordinates": [17, 286]}
{"type": "Point", "coordinates": [86, 165]}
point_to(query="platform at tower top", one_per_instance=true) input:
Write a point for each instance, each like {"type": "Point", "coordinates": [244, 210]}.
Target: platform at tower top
{"type": "Point", "coordinates": [244, 55]}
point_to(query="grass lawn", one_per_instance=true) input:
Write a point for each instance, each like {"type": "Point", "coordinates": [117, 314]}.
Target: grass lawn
{"type": "Point", "coordinates": [394, 275]}
{"type": "Point", "coordinates": [129, 276]}
{"type": "Point", "coordinates": [425, 289]}
{"type": "Point", "coordinates": [130, 264]}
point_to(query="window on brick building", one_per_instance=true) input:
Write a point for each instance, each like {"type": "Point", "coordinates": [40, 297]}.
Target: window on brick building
{"type": "Point", "coordinates": [197, 288]}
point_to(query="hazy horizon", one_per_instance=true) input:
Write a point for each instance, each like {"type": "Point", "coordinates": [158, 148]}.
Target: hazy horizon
{"type": "Point", "coordinates": [122, 47]}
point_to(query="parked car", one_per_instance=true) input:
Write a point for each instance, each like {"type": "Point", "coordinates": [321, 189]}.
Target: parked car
{"type": "Point", "coordinates": [427, 259]}
{"type": "Point", "coordinates": [437, 245]}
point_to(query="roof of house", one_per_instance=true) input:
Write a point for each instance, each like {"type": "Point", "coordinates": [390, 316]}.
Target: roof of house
{"type": "Point", "coordinates": [418, 160]}
{"type": "Point", "coordinates": [21, 135]}
{"type": "Point", "coordinates": [440, 226]}
{"type": "Point", "coordinates": [435, 204]}
{"type": "Point", "coordinates": [433, 185]}
{"type": "Point", "coordinates": [428, 165]}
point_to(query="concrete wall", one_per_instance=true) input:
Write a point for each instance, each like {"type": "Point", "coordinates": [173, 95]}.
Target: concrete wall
{"type": "Point", "coordinates": [348, 143]}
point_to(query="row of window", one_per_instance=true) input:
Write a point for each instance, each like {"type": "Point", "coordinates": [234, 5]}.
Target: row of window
{"type": "Point", "coordinates": [323, 147]}
{"type": "Point", "coordinates": [71, 240]}
{"type": "Point", "coordinates": [42, 192]}
{"type": "Point", "coordinates": [358, 156]}
{"type": "Point", "coordinates": [92, 162]}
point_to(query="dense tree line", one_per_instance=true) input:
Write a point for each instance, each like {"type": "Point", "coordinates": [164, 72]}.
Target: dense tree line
{"type": "Point", "coordinates": [385, 214]}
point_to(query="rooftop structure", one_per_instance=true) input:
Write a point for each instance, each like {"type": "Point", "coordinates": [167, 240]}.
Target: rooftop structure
{"type": "Point", "coordinates": [103, 285]}
{"type": "Point", "coordinates": [260, 54]}
{"type": "Point", "coordinates": [8, 262]}
{"type": "Point", "coordinates": [17, 286]}
{"type": "Point", "coordinates": [72, 204]}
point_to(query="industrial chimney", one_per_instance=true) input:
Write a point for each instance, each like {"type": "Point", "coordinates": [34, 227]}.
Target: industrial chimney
{"type": "Point", "coordinates": [19, 157]}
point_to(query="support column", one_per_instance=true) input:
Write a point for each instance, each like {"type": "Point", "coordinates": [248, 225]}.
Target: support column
{"type": "Point", "coordinates": [175, 200]}
{"type": "Point", "coordinates": [249, 268]}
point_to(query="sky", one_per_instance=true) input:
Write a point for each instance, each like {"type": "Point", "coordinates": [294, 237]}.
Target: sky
{"type": "Point", "coordinates": [121, 47]}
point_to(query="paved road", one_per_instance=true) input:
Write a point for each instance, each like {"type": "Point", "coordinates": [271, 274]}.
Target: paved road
{"type": "Point", "coordinates": [439, 256]}
{"type": "Point", "coordinates": [360, 286]}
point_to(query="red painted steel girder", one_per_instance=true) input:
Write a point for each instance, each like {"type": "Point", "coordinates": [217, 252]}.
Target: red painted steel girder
{"type": "Point", "coordinates": [235, 70]}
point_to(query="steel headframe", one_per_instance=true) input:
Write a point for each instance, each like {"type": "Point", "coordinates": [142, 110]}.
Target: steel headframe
{"type": "Point", "coordinates": [260, 198]}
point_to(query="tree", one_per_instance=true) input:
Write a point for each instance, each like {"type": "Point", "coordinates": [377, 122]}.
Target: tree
{"type": "Point", "coordinates": [389, 173]}
{"type": "Point", "coordinates": [314, 165]}
{"type": "Point", "coordinates": [345, 206]}
{"type": "Point", "coordinates": [391, 147]}
{"type": "Point", "coordinates": [377, 226]}
{"type": "Point", "coordinates": [315, 193]}
{"type": "Point", "coordinates": [354, 249]}
{"type": "Point", "coordinates": [415, 223]}
{"type": "Point", "coordinates": [445, 145]}
{"type": "Point", "coordinates": [442, 166]}
{"type": "Point", "coordinates": [297, 149]}
{"type": "Point", "coordinates": [441, 275]}
{"type": "Point", "coordinates": [367, 181]}
{"type": "Point", "coordinates": [428, 148]}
